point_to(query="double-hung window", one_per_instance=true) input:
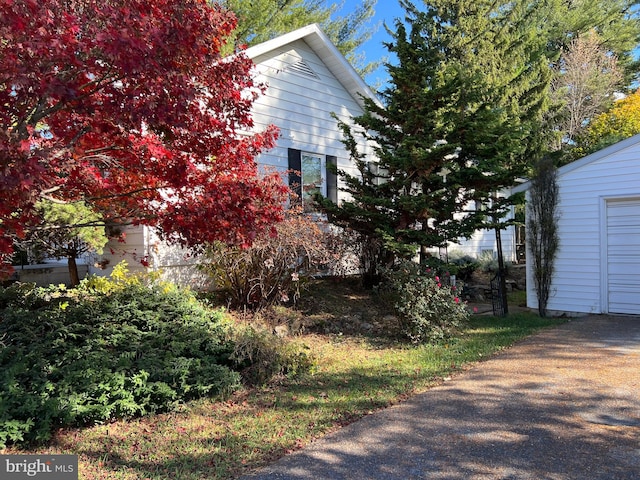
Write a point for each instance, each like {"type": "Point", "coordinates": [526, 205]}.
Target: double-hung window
{"type": "Point", "coordinates": [309, 176]}
{"type": "Point", "coordinates": [313, 181]}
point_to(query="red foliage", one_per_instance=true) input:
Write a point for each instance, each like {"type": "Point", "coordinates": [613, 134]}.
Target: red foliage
{"type": "Point", "coordinates": [129, 105]}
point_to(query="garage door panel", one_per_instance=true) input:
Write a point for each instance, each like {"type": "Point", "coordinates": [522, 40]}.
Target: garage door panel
{"type": "Point", "coordinates": [623, 256]}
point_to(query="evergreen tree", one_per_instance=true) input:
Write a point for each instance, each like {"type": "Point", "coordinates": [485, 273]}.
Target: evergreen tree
{"type": "Point", "coordinates": [616, 22]}
{"type": "Point", "coordinates": [68, 230]}
{"type": "Point", "coordinates": [262, 20]}
{"type": "Point", "coordinates": [460, 120]}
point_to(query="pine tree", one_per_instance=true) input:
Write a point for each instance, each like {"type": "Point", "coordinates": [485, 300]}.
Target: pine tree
{"type": "Point", "coordinates": [68, 230]}
{"type": "Point", "coordinates": [616, 22]}
{"type": "Point", "coordinates": [262, 20]}
{"type": "Point", "coordinates": [459, 122]}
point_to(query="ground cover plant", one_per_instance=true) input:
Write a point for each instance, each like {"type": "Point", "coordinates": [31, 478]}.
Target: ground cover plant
{"type": "Point", "coordinates": [354, 374]}
{"type": "Point", "coordinates": [111, 349]}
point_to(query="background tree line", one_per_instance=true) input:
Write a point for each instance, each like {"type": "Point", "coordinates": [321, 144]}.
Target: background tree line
{"type": "Point", "coordinates": [481, 91]}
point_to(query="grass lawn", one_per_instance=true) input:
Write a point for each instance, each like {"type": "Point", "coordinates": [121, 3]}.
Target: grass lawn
{"type": "Point", "coordinates": [355, 376]}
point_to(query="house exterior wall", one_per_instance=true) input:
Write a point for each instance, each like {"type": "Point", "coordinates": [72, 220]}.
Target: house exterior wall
{"type": "Point", "coordinates": [302, 97]}
{"type": "Point", "coordinates": [136, 247]}
{"type": "Point", "coordinates": [579, 284]}
{"type": "Point", "coordinates": [302, 94]}
{"type": "Point", "coordinates": [485, 241]}
{"type": "Point", "coordinates": [302, 105]}
{"type": "Point", "coordinates": [144, 251]}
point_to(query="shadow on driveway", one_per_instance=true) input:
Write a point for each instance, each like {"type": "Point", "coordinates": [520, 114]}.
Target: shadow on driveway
{"type": "Point", "coordinates": [563, 404]}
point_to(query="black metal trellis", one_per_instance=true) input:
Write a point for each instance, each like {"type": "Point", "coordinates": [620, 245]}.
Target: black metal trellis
{"type": "Point", "coordinates": [497, 296]}
{"type": "Point", "coordinates": [498, 283]}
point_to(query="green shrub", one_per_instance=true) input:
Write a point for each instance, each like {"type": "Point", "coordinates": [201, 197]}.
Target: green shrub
{"type": "Point", "coordinates": [458, 264]}
{"type": "Point", "coordinates": [427, 308]}
{"type": "Point", "coordinates": [109, 349]}
{"type": "Point", "coordinates": [261, 355]}
{"type": "Point", "coordinates": [462, 266]}
{"type": "Point", "coordinates": [488, 263]}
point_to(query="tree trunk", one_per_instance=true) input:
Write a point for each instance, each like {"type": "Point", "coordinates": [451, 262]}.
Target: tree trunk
{"type": "Point", "coordinates": [73, 271]}
{"type": "Point", "coordinates": [424, 255]}
{"type": "Point", "coordinates": [501, 271]}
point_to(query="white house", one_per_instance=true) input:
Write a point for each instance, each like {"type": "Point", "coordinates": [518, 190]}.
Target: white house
{"type": "Point", "coordinates": [308, 82]}
{"type": "Point", "coordinates": [484, 242]}
{"type": "Point", "coordinates": [597, 269]}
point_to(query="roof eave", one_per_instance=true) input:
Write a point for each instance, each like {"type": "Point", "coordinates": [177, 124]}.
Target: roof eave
{"type": "Point", "coordinates": [594, 157]}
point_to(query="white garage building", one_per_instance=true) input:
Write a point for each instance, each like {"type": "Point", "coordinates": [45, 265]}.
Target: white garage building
{"type": "Point", "coordinates": [597, 268]}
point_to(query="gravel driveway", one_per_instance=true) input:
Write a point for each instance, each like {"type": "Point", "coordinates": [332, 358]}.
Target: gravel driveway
{"type": "Point", "coordinates": [563, 404]}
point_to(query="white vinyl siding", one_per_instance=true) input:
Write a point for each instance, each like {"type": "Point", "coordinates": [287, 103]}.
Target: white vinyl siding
{"type": "Point", "coordinates": [136, 247]}
{"type": "Point", "coordinates": [485, 240]}
{"type": "Point", "coordinates": [301, 106]}
{"type": "Point", "coordinates": [143, 244]}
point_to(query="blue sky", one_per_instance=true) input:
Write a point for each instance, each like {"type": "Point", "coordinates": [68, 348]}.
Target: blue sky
{"type": "Point", "coordinates": [386, 11]}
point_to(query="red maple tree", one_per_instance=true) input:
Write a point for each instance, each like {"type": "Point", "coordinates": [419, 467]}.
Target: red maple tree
{"type": "Point", "coordinates": [129, 106]}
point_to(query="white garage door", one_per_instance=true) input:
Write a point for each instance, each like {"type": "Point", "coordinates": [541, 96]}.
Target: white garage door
{"type": "Point", "coordinates": [623, 256]}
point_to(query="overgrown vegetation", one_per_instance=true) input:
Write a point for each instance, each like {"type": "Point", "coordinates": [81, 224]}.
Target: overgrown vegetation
{"type": "Point", "coordinates": [130, 346]}
{"type": "Point", "coordinates": [274, 267]}
{"type": "Point", "coordinates": [112, 348]}
{"type": "Point", "coordinates": [457, 263]}
{"type": "Point", "coordinates": [261, 356]}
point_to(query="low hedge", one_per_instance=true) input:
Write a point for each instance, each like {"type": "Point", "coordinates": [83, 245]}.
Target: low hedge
{"type": "Point", "coordinates": [109, 349]}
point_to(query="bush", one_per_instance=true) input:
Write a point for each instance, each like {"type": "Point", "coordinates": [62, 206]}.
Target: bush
{"type": "Point", "coordinates": [488, 262]}
{"type": "Point", "coordinates": [462, 266]}
{"type": "Point", "coordinates": [274, 267]}
{"type": "Point", "coordinates": [428, 309]}
{"type": "Point", "coordinates": [108, 349]}
{"type": "Point", "coordinates": [261, 355]}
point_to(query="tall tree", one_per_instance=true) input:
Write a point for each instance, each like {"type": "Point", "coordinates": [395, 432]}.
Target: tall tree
{"type": "Point", "coordinates": [130, 107]}
{"type": "Point", "coordinates": [621, 121]}
{"type": "Point", "coordinates": [587, 79]}
{"type": "Point", "coordinates": [542, 229]}
{"type": "Point", "coordinates": [617, 23]}
{"type": "Point", "coordinates": [263, 20]}
{"type": "Point", "coordinates": [594, 41]}
{"type": "Point", "coordinates": [460, 120]}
